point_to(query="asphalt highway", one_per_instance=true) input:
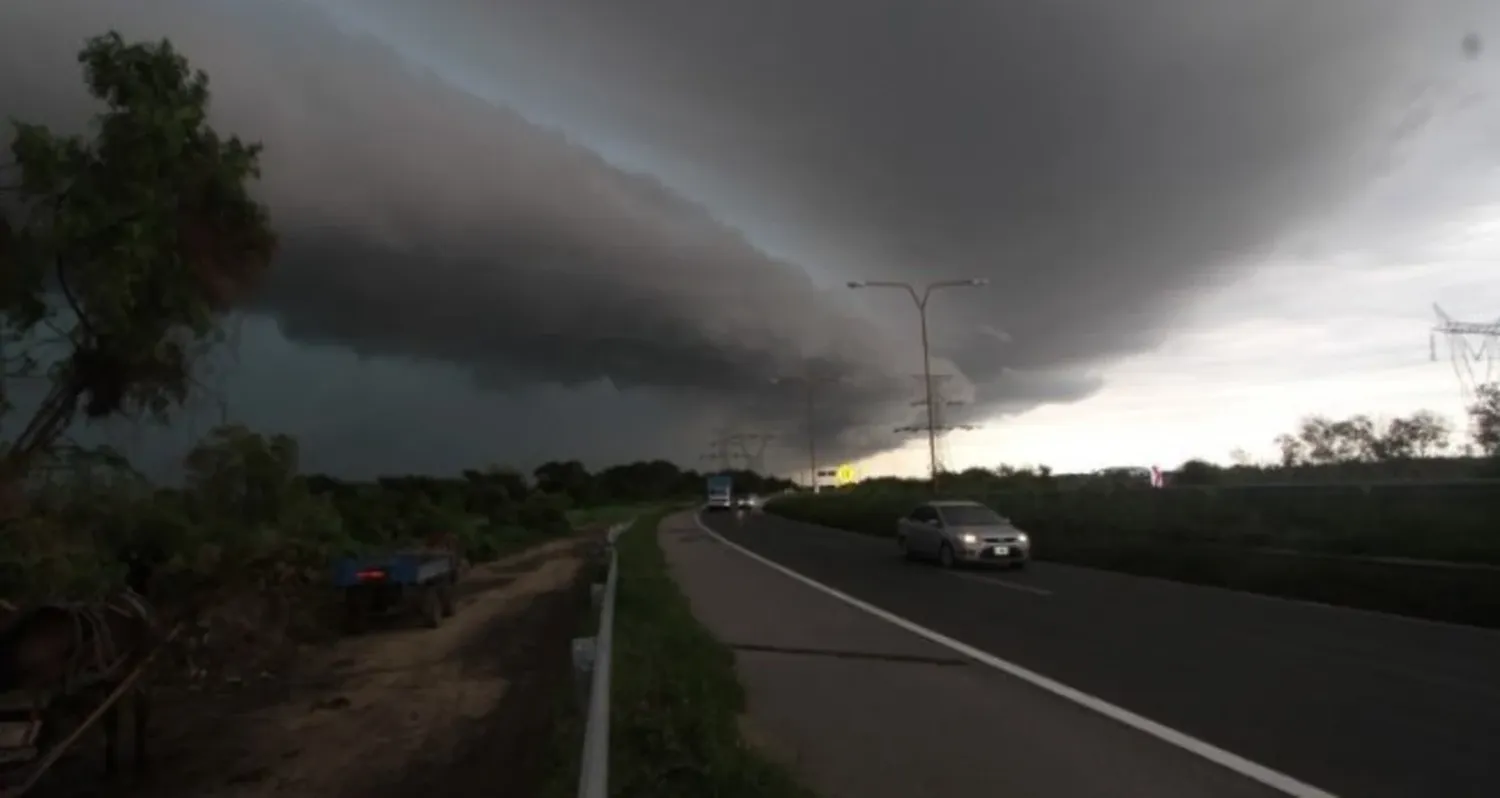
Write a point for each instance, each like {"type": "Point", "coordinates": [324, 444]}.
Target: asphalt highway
{"type": "Point", "coordinates": [1355, 703]}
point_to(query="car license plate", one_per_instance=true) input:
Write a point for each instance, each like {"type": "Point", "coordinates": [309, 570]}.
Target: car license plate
{"type": "Point", "coordinates": [1001, 551]}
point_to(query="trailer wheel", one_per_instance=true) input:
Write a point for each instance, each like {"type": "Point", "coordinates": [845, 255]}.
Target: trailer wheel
{"type": "Point", "coordinates": [446, 599]}
{"type": "Point", "coordinates": [432, 607]}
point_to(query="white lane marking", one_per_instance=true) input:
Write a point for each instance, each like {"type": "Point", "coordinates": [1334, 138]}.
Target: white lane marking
{"type": "Point", "coordinates": [1251, 770]}
{"type": "Point", "coordinates": [990, 580]}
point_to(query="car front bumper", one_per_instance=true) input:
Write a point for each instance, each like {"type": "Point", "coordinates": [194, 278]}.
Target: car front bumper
{"type": "Point", "coordinates": [986, 554]}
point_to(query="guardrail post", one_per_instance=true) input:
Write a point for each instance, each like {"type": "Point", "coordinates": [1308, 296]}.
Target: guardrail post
{"type": "Point", "coordinates": [585, 654]}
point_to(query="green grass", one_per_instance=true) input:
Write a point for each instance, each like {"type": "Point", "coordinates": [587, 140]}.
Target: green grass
{"type": "Point", "coordinates": [609, 514]}
{"type": "Point", "coordinates": [676, 700]}
{"type": "Point", "coordinates": [1224, 560]}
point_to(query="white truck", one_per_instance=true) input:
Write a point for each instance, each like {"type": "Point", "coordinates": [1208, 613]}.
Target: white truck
{"type": "Point", "coordinates": [721, 492]}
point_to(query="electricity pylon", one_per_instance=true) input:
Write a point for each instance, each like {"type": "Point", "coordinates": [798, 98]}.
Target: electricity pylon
{"type": "Point", "coordinates": [1473, 348]}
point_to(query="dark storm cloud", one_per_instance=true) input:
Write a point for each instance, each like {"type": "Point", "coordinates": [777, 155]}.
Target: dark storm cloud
{"type": "Point", "coordinates": [1100, 161]}
{"type": "Point", "coordinates": [420, 222]}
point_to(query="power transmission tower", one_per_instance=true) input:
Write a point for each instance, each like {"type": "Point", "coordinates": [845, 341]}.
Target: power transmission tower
{"type": "Point", "coordinates": [1473, 348]}
{"type": "Point", "coordinates": [719, 452]}
{"type": "Point", "coordinates": [728, 448]}
{"type": "Point", "coordinates": [756, 460]}
{"type": "Point", "coordinates": [939, 415]}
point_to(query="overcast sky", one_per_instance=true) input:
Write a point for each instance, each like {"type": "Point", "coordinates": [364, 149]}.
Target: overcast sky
{"type": "Point", "coordinates": [519, 230]}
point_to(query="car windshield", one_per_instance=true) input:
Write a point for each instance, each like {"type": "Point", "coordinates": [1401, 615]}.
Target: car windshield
{"type": "Point", "coordinates": [970, 515]}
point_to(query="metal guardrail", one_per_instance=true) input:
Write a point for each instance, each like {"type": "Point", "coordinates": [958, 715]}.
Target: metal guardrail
{"type": "Point", "coordinates": [592, 661]}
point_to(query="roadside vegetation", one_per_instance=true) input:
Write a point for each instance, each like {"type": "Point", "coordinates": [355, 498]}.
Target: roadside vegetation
{"type": "Point", "coordinates": [1337, 520]}
{"type": "Point", "coordinates": [677, 702]}
{"type": "Point", "coordinates": [123, 250]}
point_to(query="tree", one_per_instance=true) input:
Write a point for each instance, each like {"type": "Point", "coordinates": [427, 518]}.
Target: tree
{"type": "Point", "coordinates": [120, 253]}
{"type": "Point", "coordinates": [1422, 434]}
{"type": "Point", "coordinates": [1328, 441]}
{"type": "Point", "coordinates": [1484, 419]}
{"type": "Point", "coordinates": [1360, 439]}
{"type": "Point", "coordinates": [1196, 473]}
{"type": "Point", "coordinates": [253, 475]}
{"type": "Point", "coordinates": [569, 478]}
{"type": "Point", "coordinates": [1293, 450]}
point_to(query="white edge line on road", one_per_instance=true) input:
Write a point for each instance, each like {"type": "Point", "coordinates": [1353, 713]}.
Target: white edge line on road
{"type": "Point", "coordinates": [1260, 773]}
{"type": "Point", "coordinates": [985, 580]}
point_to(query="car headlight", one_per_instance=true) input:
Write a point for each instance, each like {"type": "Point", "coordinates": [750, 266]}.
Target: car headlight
{"type": "Point", "coordinates": [970, 539]}
{"type": "Point", "coordinates": [1023, 538]}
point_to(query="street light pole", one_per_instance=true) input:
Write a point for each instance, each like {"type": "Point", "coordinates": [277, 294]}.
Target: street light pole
{"type": "Point", "coordinates": [921, 303]}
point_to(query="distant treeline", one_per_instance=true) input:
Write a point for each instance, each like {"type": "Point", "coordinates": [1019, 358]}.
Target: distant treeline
{"type": "Point", "coordinates": [630, 483]}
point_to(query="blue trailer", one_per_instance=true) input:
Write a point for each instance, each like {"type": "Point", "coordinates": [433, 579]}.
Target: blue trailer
{"type": "Point", "coordinates": [420, 580]}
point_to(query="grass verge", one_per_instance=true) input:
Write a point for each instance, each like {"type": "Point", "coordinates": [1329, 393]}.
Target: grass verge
{"type": "Point", "coordinates": [677, 701]}
{"type": "Point", "coordinates": [1457, 596]}
{"type": "Point", "coordinates": [609, 514]}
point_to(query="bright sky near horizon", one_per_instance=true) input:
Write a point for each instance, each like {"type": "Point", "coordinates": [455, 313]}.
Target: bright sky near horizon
{"type": "Point", "coordinates": [1294, 340]}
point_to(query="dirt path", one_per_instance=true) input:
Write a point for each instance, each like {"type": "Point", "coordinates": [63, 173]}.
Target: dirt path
{"type": "Point", "coordinates": [460, 710]}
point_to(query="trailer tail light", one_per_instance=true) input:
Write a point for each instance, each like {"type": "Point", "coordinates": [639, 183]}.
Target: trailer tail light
{"type": "Point", "coordinates": [371, 575]}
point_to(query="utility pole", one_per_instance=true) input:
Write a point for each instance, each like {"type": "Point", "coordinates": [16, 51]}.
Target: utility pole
{"type": "Point", "coordinates": [1469, 343]}
{"type": "Point", "coordinates": [810, 385]}
{"type": "Point", "coordinates": [921, 302]}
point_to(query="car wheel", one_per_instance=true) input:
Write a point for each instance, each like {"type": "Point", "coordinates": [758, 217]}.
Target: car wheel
{"type": "Point", "coordinates": [945, 556]}
{"type": "Point", "coordinates": [1019, 565]}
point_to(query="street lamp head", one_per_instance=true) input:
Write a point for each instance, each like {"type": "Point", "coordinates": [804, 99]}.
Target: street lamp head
{"type": "Point", "coordinates": [856, 283]}
{"type": "Point", "coordinates": [979, 282]}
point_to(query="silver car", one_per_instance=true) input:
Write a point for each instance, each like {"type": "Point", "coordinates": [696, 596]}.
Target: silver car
{"type": "Point", "coordinates": [954, 532]}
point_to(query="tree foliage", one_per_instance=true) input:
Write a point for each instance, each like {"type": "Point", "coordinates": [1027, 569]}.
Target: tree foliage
{"type": "Point", "coordinates": [1360, 439]}
{"type": "Point", "coordinates": [1484, 419]}
{"type": "Point", "coordinates": [120, 251]}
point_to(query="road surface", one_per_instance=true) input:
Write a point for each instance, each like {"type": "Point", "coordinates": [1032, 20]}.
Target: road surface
{"type": "Point", "coordinates": [1355, 703]}
{"type": "Point", "coordinates": [862, 708]}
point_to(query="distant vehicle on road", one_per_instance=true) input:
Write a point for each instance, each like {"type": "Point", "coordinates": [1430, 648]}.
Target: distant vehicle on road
{"type": "Point", "coordinates": [955, 532]}
{"type": "Point", "coordinates": [721, 492]}
{"type": "Point", "coordinates": [746, 501]}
